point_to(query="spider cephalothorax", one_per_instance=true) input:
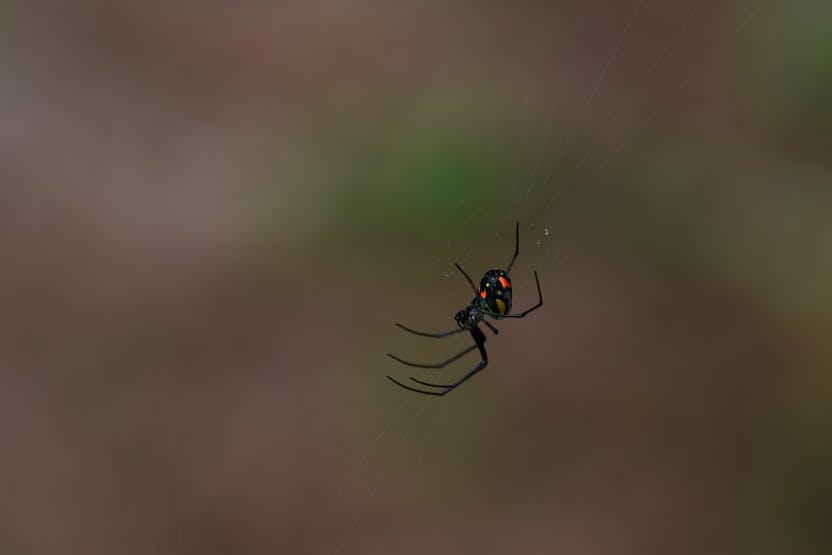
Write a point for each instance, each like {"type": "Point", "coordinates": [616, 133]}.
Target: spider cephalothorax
{"type": "Point", "coordinates": [493, 298]}
{"type": "Point", "coordinates": [467, 317]}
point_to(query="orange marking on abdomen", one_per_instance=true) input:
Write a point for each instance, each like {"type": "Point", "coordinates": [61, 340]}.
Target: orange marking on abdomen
{"type": "Point", "coordinates": [482, 294]}
{"type": "Point", "coordinates": [505, 283]}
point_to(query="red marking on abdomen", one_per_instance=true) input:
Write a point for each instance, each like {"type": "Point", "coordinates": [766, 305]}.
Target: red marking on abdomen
{"type": "Point", "coordinates": [505, 283]}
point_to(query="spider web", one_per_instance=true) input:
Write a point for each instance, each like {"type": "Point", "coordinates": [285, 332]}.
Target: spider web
{"type": "Point", "coordinates": [548, 88]}
{"type": "Point", "coordinates": [214, 213]}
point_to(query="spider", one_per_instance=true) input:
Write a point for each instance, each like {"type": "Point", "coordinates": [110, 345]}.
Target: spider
{"type": "Point", "coordinates": [493, 298]}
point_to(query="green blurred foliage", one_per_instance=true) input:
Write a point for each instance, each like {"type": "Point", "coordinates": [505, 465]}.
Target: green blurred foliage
{"type": "Point", "coordinates": [783, 60]}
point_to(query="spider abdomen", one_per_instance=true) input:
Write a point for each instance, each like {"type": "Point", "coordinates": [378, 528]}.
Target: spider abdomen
{"type": "Point", "coordinates": [495, 292]}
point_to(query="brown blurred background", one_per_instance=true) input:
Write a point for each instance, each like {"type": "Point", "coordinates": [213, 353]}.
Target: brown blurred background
{"type": "Point", "coordinates": [212, 213]}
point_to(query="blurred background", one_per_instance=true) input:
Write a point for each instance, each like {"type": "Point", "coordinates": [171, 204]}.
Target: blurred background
{"type": "Point", "coordinates": [212, 213]}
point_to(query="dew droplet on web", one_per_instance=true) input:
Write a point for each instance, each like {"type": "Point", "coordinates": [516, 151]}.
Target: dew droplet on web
{"type": "Point", "coordinates": [538, 241]}
{"type": "Point", "coordinates": [546, 232]}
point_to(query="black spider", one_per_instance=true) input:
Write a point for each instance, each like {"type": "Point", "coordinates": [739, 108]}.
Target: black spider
{"type": "Point", "coordinates": [493, 298]}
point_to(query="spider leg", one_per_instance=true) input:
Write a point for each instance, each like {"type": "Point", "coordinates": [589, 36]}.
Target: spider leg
{"type": "Point", "coordinates": [487, 323]}
{"type": "Point", "coordinates": [446, 388]}
{"type": "Point", "coordinates": [442, 364]}
{"type": "Point", "coordinates": [400, 384]}
{"type": "Point", "coordinates": [516, 247]}
{"type": "Point", "coordinates": [457, 383]}
{"type": "Point", "coordinates": [520, 315]}
{"type": "Point", "coordinates": [425, 334]}
{"type": "Point", "coordinates": [479, 343]}
{"type": "Point", "coordinates": [458, 267]}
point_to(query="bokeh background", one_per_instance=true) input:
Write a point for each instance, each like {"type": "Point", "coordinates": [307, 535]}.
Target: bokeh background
{"type": "Point", "coordinates": [212, 213]}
